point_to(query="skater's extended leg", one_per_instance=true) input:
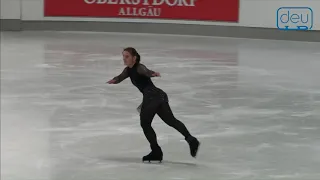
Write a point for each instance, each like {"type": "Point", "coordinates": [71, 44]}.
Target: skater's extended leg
{"type": "Point", "coordinates": [165, 113]}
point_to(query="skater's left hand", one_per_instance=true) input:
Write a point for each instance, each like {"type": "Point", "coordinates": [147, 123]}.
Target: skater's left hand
{"type": "Point", "coordinates": [156, 74]}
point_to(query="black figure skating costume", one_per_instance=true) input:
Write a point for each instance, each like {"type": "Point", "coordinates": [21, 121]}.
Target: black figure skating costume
{"type": "Point", "coordinates": [155, 101]}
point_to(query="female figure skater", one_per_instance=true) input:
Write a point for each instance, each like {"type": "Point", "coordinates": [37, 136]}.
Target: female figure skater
{"type": "Point", "coordinates": [155, 101]}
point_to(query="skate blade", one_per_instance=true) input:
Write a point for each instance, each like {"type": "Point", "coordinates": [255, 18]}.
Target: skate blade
{"type": "Point", "coordinates": [152, 161]}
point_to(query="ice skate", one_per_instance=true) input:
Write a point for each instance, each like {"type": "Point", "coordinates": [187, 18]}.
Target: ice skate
{"type": "Point", "coordinates": [155, 155]}
{"type": "Point", "coordinates": [194, 145]}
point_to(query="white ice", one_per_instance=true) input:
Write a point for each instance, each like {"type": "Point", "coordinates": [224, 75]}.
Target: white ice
{"type": "Point", "coordinates": [254, 105]}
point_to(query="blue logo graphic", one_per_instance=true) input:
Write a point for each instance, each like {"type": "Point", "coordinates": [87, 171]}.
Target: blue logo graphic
{"type": "Point", "coordinates": [294, 18]}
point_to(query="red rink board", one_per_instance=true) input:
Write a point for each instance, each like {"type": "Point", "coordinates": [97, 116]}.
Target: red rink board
{"type": "Point", "coordinates": [205, 10]}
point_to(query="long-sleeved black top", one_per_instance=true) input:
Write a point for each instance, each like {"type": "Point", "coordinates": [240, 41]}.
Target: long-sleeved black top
{"type": "Point", "coordinates": [139, 74]}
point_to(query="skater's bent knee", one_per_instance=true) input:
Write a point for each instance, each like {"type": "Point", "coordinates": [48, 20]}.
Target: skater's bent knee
{"type": "Point", "coordinates": [145, 124]}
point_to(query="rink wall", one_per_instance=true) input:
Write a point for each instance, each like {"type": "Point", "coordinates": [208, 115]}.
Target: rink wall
{"type": "Point", "coordinates": [257, 19]}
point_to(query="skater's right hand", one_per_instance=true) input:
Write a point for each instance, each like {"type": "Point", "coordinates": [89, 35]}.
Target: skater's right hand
{"type": "Point", "coordinates": [112, 81]}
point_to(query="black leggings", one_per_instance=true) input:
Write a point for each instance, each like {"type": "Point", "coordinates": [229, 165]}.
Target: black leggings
{"type": "Point", "coordinates": [164, 112]}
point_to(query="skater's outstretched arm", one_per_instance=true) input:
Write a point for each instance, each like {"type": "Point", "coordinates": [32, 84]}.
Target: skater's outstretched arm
{"type": "Point", "coordinates": [118, 79]}
{"type": "Point", "coordinates": [143, 70]}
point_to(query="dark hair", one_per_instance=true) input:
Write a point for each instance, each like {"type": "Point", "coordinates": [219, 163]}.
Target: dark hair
{"type": "Point", "coordinates": [133, 52]}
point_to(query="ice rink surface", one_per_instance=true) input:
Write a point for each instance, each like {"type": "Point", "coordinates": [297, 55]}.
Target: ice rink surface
{"type": "Point", "coordinates": [254, 105]}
